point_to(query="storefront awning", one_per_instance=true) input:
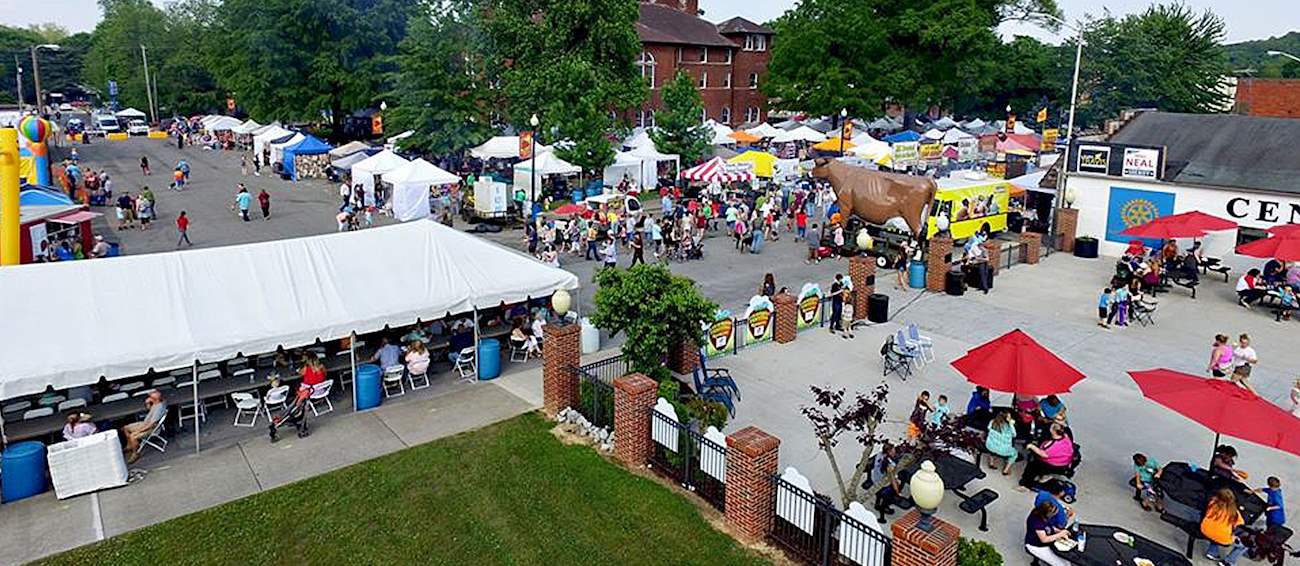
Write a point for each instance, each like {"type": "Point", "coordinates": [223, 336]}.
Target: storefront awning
{"type": "Point", "coordinates": [77, 217]}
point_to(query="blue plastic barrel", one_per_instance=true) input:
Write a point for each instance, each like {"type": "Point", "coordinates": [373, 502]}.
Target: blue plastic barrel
{"type": "Point", "coordinates": [489, 359]}
{"type": "Point", "coordinates": [916, 274]}
{"type": "Point", "coordinates": [577, 195]}
{"type": "Point", "coordinates": [368, 384]}
{"type": "Point", "coordinates": [23, 471]}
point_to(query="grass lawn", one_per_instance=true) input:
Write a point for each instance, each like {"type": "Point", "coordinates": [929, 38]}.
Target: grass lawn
{"type": "Point", "coordinates": [507, 494]}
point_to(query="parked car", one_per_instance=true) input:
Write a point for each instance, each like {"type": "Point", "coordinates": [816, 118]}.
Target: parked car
{"type": "Point", "coordinates": [137, 127]}
{"type": "Point", "coordinates": [107, 123]}
{"type": "Point", "coordinates": [75, 126]}
{"type": "Point", "coordinates": [65, 107]}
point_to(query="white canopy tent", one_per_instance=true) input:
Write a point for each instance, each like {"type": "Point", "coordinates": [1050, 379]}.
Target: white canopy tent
{"type": "Point", "coordinates": [501, 147]}
{"type": "Point", "coordinates": [933, 134]}
{"type": "Point", "coordinates": [349, 148]}
{"type": "Point", "coordinates": [223, 123]}
{"type": "Point", "coordinates": [213, 304]}
{"type": "Point", "coordinates": [268, 135]}
{"type": "Point", "coordinates": [364, 171]}
{"type": "Point", "coordinates": [639, 138]}
{"type": "Point", "coordinates": [871, 149]}
{"type": "Point", "coordinates": [411, 184]}
{"type": "Point", "coordinates": [246, 128]}
{"type": "Point", "coordinates": [641, 165]}
{"type": "Point", "coordinates": [277, 149]}
{"type": "Point", "coordinates": [721, 133]}
{"type": "Point", "coordinates": [801, 133]}
{"type": "Point", "coordinates": [547, 164]}
{"type": "Point", "coordinates": [955, 135]}
{"type": "Point", "coordinates": [765, 130]}
{"type": "Point", "coordinates": [130, 113]}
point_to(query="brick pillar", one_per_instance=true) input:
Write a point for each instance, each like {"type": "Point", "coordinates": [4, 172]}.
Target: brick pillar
{"type": "Point", "coordinates": [994, 250]}
{"type": "Point", "coordinates": [787, 318]}
{"type": "Point", "coordinates": [862, 273]}
{"type": "Point", "coordinates": [1033, 242]}
{"type": "Point", "coordinates": [751, 496]}
{"type": "Point", "coordinates": [1067, 224]}
{"type": "Point", "coordinates": [562, 353]}
{"type": "Point", "coordinates": [915, 547]}
{"type": "Point", "coordinates": [936, 263]}
{"type": "Point", "coordinates": [683, 357]}
{"type": "Point", "coordinates": [634, 397]}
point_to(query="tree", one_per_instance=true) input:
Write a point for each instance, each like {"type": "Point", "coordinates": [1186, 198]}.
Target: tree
{"type": "Point", "coordinates": [1030, 75]}
{"type": "Point", "coordinates": [440, 85]}
{"type": "Point", "coordinates": [860, 54]}
{"type": "Point", "coordinates": [13, 51]}
{"type": "Point", "coordinates": [655, 309]}
{"type": "Point", "coordinates": [1168, 57]}
{"type": "Point", "coordinates": [680, 130]}
{"type": "Point", "coordinates": [49, 32]}
{"type": "Point", "coordinates": [832, 418]}
{"type": "Point", "coordinates": [573, 64]}
{"type": "Point", "coordinates": [115, 48]}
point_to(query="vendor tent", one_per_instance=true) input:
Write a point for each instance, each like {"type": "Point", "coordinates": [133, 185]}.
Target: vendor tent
{"type": "Point", "coordinates": [309, 145]}
{"type": "Point", "coordinates": [130, 113]}
{"type": "Point", "coordinates": [883, 124]}
{"type": "Point", "coordinates": [955, 135]}
{"type": "Point", "coordinates": [800, 133]}
{"type": "Point", "coordinates": [933, 134]}
{"type": "Point", "coordinates": [501, 147]}
{"type": "Point", "coordinates": [277, 146]}
{"type": "Point", "coordinates": [834, 144]}
{"type": "Point", "coordinates": [268, 135]}
{"type": "Point", "coordinates": [641, 165]}
{"type": "Point", "coordinates": [903, 136]}
{"type": "Point", "coordinates": [716, 170]}
{"type": "Point", "coordinates": [639, 138]}
{"type": "Point", "coordinates": [349, 148]}
{"type": "Point", "coordinates": [246, 128]}
{"type": "Point", "coordinates": [346, 163]}
{"type": "Point", "coordinates": [364, 171]}
{"type": "Point", "coordinates": [764, 163]}
{"type": "Point", "coordinates": [224, 123]}
{"type": "Point", "coordinates": [625, 165]}
{"type": "Point", "coordinates": [765, 130]}
{"type": "Point", "coordinates": [395, 143]}
{"type": "Point", "coordinates": [546, 164]}
{"type": "Point", "coordinates": [411, 184]}
{"type": "Point", "coordinates": [213, 304]}
{"type": "Point", "coordinates": [872, 149]}
{"type": "Point", "coordinates": [721, 133]}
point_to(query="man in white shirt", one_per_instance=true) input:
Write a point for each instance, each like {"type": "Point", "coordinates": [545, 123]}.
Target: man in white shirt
{"type": "Point", "coordinates": [345, 192]}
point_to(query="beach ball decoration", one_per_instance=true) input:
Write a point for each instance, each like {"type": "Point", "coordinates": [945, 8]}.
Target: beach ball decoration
{"type": "Point", "coordinates": [35, 129]}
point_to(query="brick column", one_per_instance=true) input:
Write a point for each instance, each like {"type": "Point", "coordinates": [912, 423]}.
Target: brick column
{"type": "Point", "coordinates": [936, 263]}
{"type": "Point", "coordinates": [751, 496]}
{"type": "Point", "coordinates": [683, 357]}
{"type": "Point", "coordinates": [862, 273]}
{"type": "Point", "coordinates": [562, 353]}
{"type": "Point", "coordinates": [914, 547]}
{"type": "Point", "coordinates": [994, 250]}
{"type": "Point", "coordinates": [1033, 242]}
{"type": "Point", "coordinates": [1067, 224]}
{"type": "Point", "coordinates": [634, 397]}
{"type": "Point", "coordinates": [787, 318]}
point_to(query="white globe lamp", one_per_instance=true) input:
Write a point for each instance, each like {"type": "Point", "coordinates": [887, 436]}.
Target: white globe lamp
{"type": "Point", "coordinates": [865, 241]}
{"type": "Point", "coordinates": [561, 302]}
{"type": "Point", "coordinates": [927, 491]}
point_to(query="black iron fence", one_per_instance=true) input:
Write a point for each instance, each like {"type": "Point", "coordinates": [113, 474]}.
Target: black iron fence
{"type": "Point", "coordinates": [596, 389]}
{"type": "Point", "coordinates": [812, 530]}
{"type": "Point", "coordinates": [689, 458]}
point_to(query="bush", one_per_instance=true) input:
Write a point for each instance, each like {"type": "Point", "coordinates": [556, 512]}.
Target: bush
{"type": "Point", "coordinates": [655, 309]}
{"type": "Point", "coordinates": [972, 552]}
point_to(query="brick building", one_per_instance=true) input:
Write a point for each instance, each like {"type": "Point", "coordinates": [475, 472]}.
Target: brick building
{"type": "Point", "coordinates": [1278, 98]}
{"type": "Point", "coordinates": [728, 61]}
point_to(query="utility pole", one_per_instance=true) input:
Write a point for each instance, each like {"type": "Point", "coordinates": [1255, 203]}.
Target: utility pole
{"type": "Point", "coordinates": [144, 55]}
{"type": "Point", "coordinates": [36, 78]}
{"type": "Point", "coordinates": [18, 65]}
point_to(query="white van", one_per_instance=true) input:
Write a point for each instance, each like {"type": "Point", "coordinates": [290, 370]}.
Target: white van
{"type": "Point", "coordinates": [107, 123]}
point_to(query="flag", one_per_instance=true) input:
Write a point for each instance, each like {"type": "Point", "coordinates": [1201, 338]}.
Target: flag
{"type": "Point", "coordinates": [1042, 115]}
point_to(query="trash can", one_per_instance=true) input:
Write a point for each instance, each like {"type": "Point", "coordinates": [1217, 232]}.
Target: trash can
{"type": "Point", "coordinates": [916, 274]}
{"type": "Point", "coordinates": [489, 359]}
{"type": "Point", "coordinates": [953, 284]}
{"type": "Point", "coordinates": [878, 308]}
{"type": "Point", "coordinates": [369, 384]}
{"type": "Point", "coordinates": [590, 337]}
{"type": "Point", "coordinates": [23, 472]}
{"type": "Point", "coordinates": [577, 196]}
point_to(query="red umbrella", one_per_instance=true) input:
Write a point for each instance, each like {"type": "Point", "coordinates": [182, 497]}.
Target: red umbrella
{"type": "Point", "coordinates": [1282, 248]}
{"type": "Point", "coordinates": [569, 209]}
{"type": "Point", "coordinates": [1285, 230]}
{"type": "Point", "coordinates": [1198, 219]}
{"type": "Point", "coordinates": [1015, 363]}
{"type": "Point", "coordinates": [1222, 407]}
{"type": "Point", "coordinates": [1163, 230]}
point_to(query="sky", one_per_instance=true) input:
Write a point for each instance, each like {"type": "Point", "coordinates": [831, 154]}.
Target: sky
{"type": "Point", "coordinates": [1261, 19]}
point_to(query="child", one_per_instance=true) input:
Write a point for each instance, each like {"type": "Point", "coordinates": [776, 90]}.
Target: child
{"type": "Point", "coordinates": [1121, 306]}
{"type": "Point", "coordinates": [1275, 513]}
{"type": "Point", "coordinates": [1145, 472]}
{"type": "Point", "coordinates": [940, 412]}
{"type": "Point", "coordinates": [916, 423]}
{"type": "Point", "coordinates": [814, 241]}
{"type": "Point", "coordinates": [1288, 300]}
{"type": "Point", "coordinates": [1103, 308]}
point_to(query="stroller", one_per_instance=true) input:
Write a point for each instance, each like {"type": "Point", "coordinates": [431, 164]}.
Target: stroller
{"type": "Point", "coordinates": [1268, 545]}
{"type": "Point", "coordinates": [294, 413]}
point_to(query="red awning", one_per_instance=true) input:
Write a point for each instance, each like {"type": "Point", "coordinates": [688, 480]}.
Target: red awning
{"type": "Point", "coordinates": [76, 217]}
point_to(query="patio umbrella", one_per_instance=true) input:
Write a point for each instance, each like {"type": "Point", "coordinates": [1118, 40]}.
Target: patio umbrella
{"type": "Point", "coordinates": [1285, 230]}
{"type": "Point", "coordinates": [1282, 248]}
{"type": "Point", "coordinates": [1015, 363]}
{"type": "Point", "coordinates": [1222, 407]}
{"type": "Point", "coordinates": [744, 137]}
{"type": "Point", "coordinates": [1198, 219]}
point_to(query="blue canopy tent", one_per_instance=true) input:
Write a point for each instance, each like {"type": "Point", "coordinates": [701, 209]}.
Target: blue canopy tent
{"type": "Point", "coordinates": [310, 145]}
{"type": "Point", "coordinates": [903, 136]}
{"type": "Point", "coordinates": [41, 195]}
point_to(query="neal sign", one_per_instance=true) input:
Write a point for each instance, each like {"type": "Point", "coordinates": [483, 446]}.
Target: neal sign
{"type": "Point", "coordinates": [1140, 163]}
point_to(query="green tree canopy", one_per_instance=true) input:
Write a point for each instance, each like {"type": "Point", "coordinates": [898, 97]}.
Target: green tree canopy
{"type": "Point", "coordinates": [1029, 74]}
{"type": "Point", "coordinates": [654, 308]}
{"type": "Point", "coordinates": [115, 49]}
{"type": "Point", "coordinates": [680, 130]}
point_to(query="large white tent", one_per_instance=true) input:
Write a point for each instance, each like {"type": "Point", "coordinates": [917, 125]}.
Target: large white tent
{"type": "Point", "coordinates": [501, 147]}
{"type": "Point", "coordinates": [130, 113]}
{"type": "Point", "coordinates": [765, 130]}
{"type": "Point", "coordinates": [546, 164]}
{"type": "Point", "coordinates": [801, 133]}
{"type": "Point", "coordinates": [277, 149]}
{"type": "Point", "coordinates": [364, 171]}
{"type": "Point", "coordinates": [222, 123]}
{"type": "Point", "coordinates": [411, 184]}
{"type": "Point", "coordinates": [246, 128]}
{"type": "Point", "coordinates": [271, 133]}
{"type": "Point", "coordinates": [954, 135]}
{"type": "Point", "coordinates": [721, 133]}
{"type": "Point", "coordinates": [349, 149]}
{"type": "Point", "coordinates": [639, 138]}
{"type": "Point", "coordinates": [640, 164]}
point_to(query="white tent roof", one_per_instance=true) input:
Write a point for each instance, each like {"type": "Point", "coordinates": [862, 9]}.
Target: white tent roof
{"type": "Point", "coordinates": [501, 147]}
{"type": "Point", "coordinates": [224, 123]}
{"type": "Point", "coordinates": [765, 130]}
{"type": "Point", "coordinates": [297, 137]}
{"type": "Point", "coordinates": [721, 133]}
{"type": "Point", "coordinates": [976, 123]}
{"type": "Point", "coordinates": [263, 129]}
{"type": "Point", "coordinates": [420, 172]}
{"type": "Point", "coordinates": [954, 135]}
{"type": "Point", "coordinates": [648, 152]}
{"type": "Point", "coordinates": [268, 135]}
{"type": "Point", "coordinates": [349, 148]}
{"type": "Point", "coordinates": [378, 164]}
{"type": "Point", "coordinates": [547, 164]}
{"type": "Point", "coordinates": [130, 113]}
{"type": "Point", "coordinates": [944, 123]}
{"type": "Point", "coordinates": [933, 134]}
{"type": "Point", "coordinates": [211, 304]}
{"type": "Point", "coordinates": [247, 127]}
{"type": "Point", "coordinates": [801, 133]}
{"type": "Point", "coordinates": [639, 138]}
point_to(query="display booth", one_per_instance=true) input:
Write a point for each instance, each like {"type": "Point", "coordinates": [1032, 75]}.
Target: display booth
{"type": "Point", "coordinates": [502, 147]}
{"type": "Point", "coordinates": [267, 135]}
{"type": "Point", "coordinates": [365, 171]}
{"type": "Point", "coordinates": [306, 159]}
{"type": "Point", "coordinates": [411, 184]}
{"type": "Point", "coordinates": [529, 173]}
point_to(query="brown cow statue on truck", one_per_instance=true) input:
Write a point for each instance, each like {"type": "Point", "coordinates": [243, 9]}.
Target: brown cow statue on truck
{"type": "Point", "coordinates": [875, 196]}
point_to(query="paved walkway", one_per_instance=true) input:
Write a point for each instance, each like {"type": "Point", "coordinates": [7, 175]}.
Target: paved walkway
{"type": "Point", "coordinates": [1053, 302]}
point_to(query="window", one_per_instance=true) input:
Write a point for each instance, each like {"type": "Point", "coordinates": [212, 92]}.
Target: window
{"type": "Point", "coordinates": [645, 118]}
{"type": "Point", "coordinates": [704, 115]}
{"type": "Point", "coordinates": [704, 54]}
{"type": "Point", "coordinates": [749, 43]}
{"type": "Point", "coordinates": [725, 115]}
{"type": "Point", "coordinates": [647, 65]}
{"type": "Point", "coordinates": [755, 42]}
{"type": "Point", "coordinates": [726, 80]}
{"type": "Point", "coordinates": [728, 50]}
{"type": "Point", "coordinates": [650, 119]}
{"type": "Point", "coordinates": [753, 80]}
{"type": "Point", "coordinates": [751, 114]}
{"type": "Point", "coordinates": [704, 79]}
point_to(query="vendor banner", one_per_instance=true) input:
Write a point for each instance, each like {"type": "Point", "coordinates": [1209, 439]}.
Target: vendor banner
{"type": "Point", "coordinates": [931, 151]}
{"type": "Point", "coordinates": [967, 149]}
{"type": "Point", "coordinates": [809, 306]}
{"type": "Point", "coordinates": [1140, 163]}
{"type": "Point", "coordinates": [720, 335]}
{"type": "Point", "coordinates": [1050, 135]}
{"type": "Point", "coordinates": [760, 320]}
{"type": "Point", "coordinates": [906, 153]}
{"type": "Point", "coordinates": [525, 145]}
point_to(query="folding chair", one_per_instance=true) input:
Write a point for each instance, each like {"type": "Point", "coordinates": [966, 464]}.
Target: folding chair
{"type": "Point", "coordinates": [246, 404]}
{"type": "Point", "coordinates": [1143, 312]}
{"type": "Point", "coordinates": [719, 377]}
{"type": "Point", "coordinates": [155, 438]}
{"type": "Point", "coordinates": [924, 342]}
{"type": "Point", "coordinates": [908, 349]}
{"type": "Point", "coordinates": [413, 379]}
{"type": "Point", "coordinates": [393, 381]}
{"type": "Point", "coordinates": [894, 361]}
{"type": "Point", "coordinates": [71, 404]}
{"type": "Point", "coordinates": [38, 413]}
{"type": "Point", "coordinates": [467, 365]}
{"type": "Point", "coordinates": [518, 351]}
{"type": "Point", "coordinates": [713, 393]}
{"type": "Point", "coordinates": [277, 397]}
{"type": "Point", "coordinates": [321, 392]}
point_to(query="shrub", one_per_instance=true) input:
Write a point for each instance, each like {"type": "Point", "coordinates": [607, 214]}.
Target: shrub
{"type": "Point", "coordinates": [972, 552]}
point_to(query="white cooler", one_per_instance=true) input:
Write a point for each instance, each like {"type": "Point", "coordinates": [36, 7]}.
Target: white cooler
{"type": "Point", "coordinates": [590, 337]}
{"type": "Point", "coordinates": [87, 464]}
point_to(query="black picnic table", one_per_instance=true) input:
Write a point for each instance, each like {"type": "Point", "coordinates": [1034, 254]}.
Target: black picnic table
{"type": "Point", "coordinates": [1101, 549]}
{"type": "Point", "coordinates": [1187, 492]}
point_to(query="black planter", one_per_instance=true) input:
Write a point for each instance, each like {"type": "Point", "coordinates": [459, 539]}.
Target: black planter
{"type": "Point", "coordinates": [1085, 248]}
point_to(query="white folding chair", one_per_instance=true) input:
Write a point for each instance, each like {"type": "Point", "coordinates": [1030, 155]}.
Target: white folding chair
{"type": "Point", "coordinates": [209, 374]}
{"type": "Point", "coordinates": [393, 381]}
{"type": "Point", "coordinates": [908, 349]}
{"type": "Point", "coordinates": [71, 404]}
{"type": "Point", "coordinates": [321, 392]}
{"type": "Point", "coordinates": [277, 397]}
{"type": "Point", "coordinates": [185, 413]}
{"type": "Point", "coordinates": [51, 401]}
{"type": "Point", "coordinates": [927, 345]}
{"type": "Point", "coordinates": [466, 365]}
{"type": "Point", "coordinates": [518, 351]}
{"type": "Point", "coordinates": [38, 413]}
{"type": "Point", "coordinates": [114, 397]}
{"type": "Point", "coordinates": [18, 407]}
{"type": "Point", "coordinates": [250, 372]}
{"type": "Point", "coordinates": [423, 380]}
{"type": "Point", "coordinates": [246, 404]}
{"type": "Point", "coordinates": [158, 383]}
{"type": "Point", "coordinates": [155, 438]}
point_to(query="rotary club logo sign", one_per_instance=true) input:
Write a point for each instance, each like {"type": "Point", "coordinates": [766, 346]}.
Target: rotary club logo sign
{"type": "Point", "coordinates": [1138, 211]}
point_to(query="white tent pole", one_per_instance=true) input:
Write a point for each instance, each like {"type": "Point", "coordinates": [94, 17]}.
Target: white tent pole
{"type": "Point", "coordinates": [352, 351]}
{"type": "Point", "coordinates": [3, 437]}
{"type": "Point", "coordinates": [194, 384]}
{"type": "Point", "coordinates": [477, 362]}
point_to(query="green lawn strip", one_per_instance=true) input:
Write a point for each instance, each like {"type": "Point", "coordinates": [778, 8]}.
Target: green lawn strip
{"type": "Point", "coordinates": [507, 494]}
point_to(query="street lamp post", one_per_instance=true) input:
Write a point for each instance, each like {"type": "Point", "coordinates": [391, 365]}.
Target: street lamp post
{"type": "Point", "coordinates": [532, 155]}
{"type": "Point", "coordinates": [19, 67]}
{"type": "Point", "coordinates": [1074, 97]}
{"type": "Point", "coordinates": [148, 91]}
{"type": "Point", "coordinates": [1283, 54]}
{"type": "Point", "coordinates": [36, 74]}
{"type": "Point", "coordinates": [844, 114]}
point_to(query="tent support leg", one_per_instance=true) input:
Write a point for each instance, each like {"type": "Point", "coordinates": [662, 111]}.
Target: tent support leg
{"type": "Point", "coordinates": [194, 385]}
{"type": "Point", "coordinates": [477, 362]}
{"type": "Point", "coordinates": [1216, 449]}
{"type": "Point", "coordinates": [352, 351]}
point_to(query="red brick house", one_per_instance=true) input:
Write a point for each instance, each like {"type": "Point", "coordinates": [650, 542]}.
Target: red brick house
{"type": "Point", "coordinates": [1279, 98]}
{"type": "Point", "coordinates": [728, 61]}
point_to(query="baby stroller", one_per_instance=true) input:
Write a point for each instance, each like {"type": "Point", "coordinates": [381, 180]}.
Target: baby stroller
{"type": "Point", "coordinates": [1267, 545]}
{"type": "Point", "coordinates": [294, 413]}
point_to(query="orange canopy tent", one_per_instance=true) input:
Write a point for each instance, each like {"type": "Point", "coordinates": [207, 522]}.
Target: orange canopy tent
{"type": "Point", "coordinates": [744, 137]}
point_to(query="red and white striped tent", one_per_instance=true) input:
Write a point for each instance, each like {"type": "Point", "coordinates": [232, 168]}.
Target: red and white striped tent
{"type": "Point", "coordinates": [717, 169]}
